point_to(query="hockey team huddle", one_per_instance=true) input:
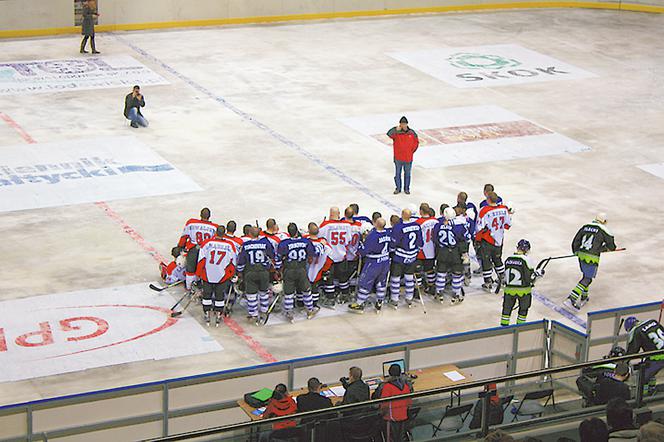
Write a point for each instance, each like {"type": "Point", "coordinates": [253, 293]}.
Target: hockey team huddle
{"type": "Point", "coordinates": [350, 257]}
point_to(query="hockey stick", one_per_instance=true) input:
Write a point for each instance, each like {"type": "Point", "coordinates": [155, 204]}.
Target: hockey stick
{"type": "Point", "coordinates": [228, 305]}
{"type": "Point", "coordinates": [620, 326]}
{"type": "Point", "coordinates": [160, 289]}
{"type": "Point", "coordinates": [271, 308]}
{"type": "Point", "coordinates": [176, 314]}
{"type": "Point", "coordinates": [419, 291]}
{"type": "Point", "coordinates": [661, 307]}
{"type": "Point", "coordinates": [543, 263]}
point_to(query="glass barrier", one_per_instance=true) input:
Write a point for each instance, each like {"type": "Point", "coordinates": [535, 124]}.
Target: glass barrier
{"type": "Point", "coordinates": [463, 411]}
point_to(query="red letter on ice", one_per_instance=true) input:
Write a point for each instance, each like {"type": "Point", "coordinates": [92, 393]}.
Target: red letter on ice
{"type": "Point", "coordinates": [102, 327]}
{"type": "Point", "coordinates": [44, 332]}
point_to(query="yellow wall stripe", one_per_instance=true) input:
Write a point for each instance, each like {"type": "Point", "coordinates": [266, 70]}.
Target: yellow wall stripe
{"type": "Point", "coordinates": [331, 15]}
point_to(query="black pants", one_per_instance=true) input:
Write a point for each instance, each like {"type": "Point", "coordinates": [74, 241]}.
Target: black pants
{"type": "Point", "coordinates": [92, 42]}
{"type": "Point", "coordinates": [396, 431]}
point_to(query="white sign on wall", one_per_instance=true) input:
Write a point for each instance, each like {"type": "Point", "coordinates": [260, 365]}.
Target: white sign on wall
{"type": "Point", "coordinates": [84, 171]}
{"type": "Point", "coordinates": [66, 332]}
{"type": "Point", "coordinates": [468, 135]}
{"type": "Point", "coordinates": [487, 66]}
{"type": "Point", "coordinates": [72, 74]}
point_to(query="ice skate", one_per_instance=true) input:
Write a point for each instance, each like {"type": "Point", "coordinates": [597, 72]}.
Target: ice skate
{"type": "Point", "coordinates": [356, 308]}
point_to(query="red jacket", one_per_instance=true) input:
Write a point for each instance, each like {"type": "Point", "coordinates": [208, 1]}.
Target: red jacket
{"type": "Point", "coordinates": [405, 144]}
{"type": "Point", "coordinates": [281, 407]}
{"type": "Point", "coordinates": [397, 410]}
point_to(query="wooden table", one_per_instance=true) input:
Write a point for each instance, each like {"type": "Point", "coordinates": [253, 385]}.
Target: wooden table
{"type": "Point", "coordinates": [427, 379]}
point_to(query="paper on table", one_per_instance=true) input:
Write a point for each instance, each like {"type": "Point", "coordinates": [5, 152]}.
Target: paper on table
{"type": "Point", "coordinates": [338, 390]}
{"type": "Point", "coordinates": [454, 375]}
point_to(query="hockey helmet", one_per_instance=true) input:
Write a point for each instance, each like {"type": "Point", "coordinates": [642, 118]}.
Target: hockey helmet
{"type": "Point", "coordinates": [616, 352]}
{"type": "Point", "coordinates": [523, 245]}
{"type": "Point", "coordinates": [449, 213]}
{"type": "Point", "coordinates": [630, 323]}
{"type": "Point", "coordinates": [601, 218]}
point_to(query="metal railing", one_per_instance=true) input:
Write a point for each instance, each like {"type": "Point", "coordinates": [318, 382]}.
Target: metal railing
{"type": "Point", "coordinates": [545, 373]}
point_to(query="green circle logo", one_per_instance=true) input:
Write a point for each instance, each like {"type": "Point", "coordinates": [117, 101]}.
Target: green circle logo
{"type": "Point", "coordinates": [465, 60]}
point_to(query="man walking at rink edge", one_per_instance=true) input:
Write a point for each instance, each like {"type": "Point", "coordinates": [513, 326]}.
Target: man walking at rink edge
{"type": "Point", "coordinates": [590, 241]}
{"type": "Point", "coordinates": [405, 143]}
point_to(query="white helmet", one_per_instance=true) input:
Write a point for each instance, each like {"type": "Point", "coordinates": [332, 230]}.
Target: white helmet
{"type": "Point", "coordinates": [601, 218]}
{"type": "Point", "coordinates": [449, 213]}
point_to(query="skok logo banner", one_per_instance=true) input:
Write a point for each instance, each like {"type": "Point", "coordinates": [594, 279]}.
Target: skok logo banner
{"type": "Point", "coordinates": [487, 66]}
{"type": "Point", "coordinates": [21, 77]}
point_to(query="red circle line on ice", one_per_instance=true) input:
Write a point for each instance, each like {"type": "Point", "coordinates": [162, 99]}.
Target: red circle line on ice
{"type": "Point", "coordinates": [169, 322]}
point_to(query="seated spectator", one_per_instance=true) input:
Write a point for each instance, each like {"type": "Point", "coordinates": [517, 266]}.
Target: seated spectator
{"type": "Point", "coordinates": [593, 430]}
{"type": "Point", "coordinates": [395, 413]}
{"type": "Point", "coordinates": [612, 384]}
{"type": "Point", "coordinates": [651, 431]}
{"type": "Point", "coordinates": [281, 404]}
{"type": "Point", "coordinates": [313, 399]}
{"type": "Point", "coordinates": [132, 110]}
{"type": "Point", "coordinates": [495, 410]}
{"type": "Point", "coordinates": [498, 436]}
{"type": "Point", "coordinates": [620, 418]}
{"type": "Point", "coordinates": [356, 389]}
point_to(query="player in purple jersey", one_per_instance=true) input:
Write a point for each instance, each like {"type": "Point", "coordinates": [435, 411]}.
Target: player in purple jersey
{"type": "Point", "coordinates": [375, 252]}
{"type": "Point", "coordinates": [295, 253]}
{"type": "Point", "coordinates": [449, 237]}
{"type": "Point", "coordinates": [406, 243]}
{"type": "Point", "coordinates": [254, 262]}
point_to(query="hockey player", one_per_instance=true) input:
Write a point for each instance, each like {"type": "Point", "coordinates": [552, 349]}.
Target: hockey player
{"type": "Point", "coordinates": [448, 237]}
{"type": "Point", "coordinates": [590, 241]}
{"type": "Point", "coordinates": [519, 284]}
{"type": "Point", "coordinates": [296, 253]}
{"type": "Point", "coordinates": [375, 216]}
{"type": "Point", "coordinates": [217, 259]}
{"type": "Point", "coordinates": [245, 232]}
{"type": "Point", "coordinates": [406, 243]}
{"type": "Point", "coordinates": [488, 188]}
{"type": "Point", "coordinates": [175, 271]}
{"type": "Point", "coordinates": [194, 233]}
{"type": "Point", "coordinates": [339, 235]}
{"type": "Point", "coordinates": [426, 256]}
{"type": "Point", "coordinates": [254, 262]}
{"type": "Point", "coordinates": [318, 269]}
{"type": "Point", "coordinates": [375, 251]}
{"type": "Point", "coordinates": [231, 227]}
{"type": "Point", "coordinates": [356, 215]}
{"type": "Point", "coordinates": [356, 230]}
{"type": "Point", "coordinates": [647, 336]}
{"type": "Point", "coordinates": [493, 220]}
{"type": "Point", "coordinates": [471, 213]}
{"type": "Point", "coordinates": [272, 233]}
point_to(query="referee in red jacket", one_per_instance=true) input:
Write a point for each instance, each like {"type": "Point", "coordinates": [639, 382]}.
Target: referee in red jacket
{"type": "Point", "coordinates": [405, 144]}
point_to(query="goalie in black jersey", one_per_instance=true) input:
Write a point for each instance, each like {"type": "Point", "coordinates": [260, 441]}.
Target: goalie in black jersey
{"type": "Point", "coordinates": [519, 280]}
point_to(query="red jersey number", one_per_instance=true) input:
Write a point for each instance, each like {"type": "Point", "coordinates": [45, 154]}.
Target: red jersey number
{"type": "Point", "coordinates": [337, 238]}
{"type": "Point", "coordinates": [200, 237]}
{"type": "Point", "coordinates": [496, 224]}
{"type": "Point", "coordinates": [220, 257]}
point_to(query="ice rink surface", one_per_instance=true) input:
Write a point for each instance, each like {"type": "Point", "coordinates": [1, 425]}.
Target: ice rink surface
{"type": "Point", "coordinates": [278, 121]}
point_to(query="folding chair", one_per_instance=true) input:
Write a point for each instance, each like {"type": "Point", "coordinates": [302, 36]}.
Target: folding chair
{"type": "Point", "coordinates": [505, 402]}
{"type": "Point", "coordinates": [361, 429]}
{"type": "Point", "coordinates": [456, 416]}
{"type": "Point", "coordinates": [533, 407]}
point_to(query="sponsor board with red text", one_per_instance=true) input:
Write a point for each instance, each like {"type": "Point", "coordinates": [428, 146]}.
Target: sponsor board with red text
{"type": "Point", "coordinates": [67, 332]}
{"type": "Point", "coordinates": [468, 135]}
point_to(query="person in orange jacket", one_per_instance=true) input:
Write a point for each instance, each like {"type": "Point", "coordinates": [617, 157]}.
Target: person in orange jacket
{"type": "Point", "coordinates": [281, 404]}
{"type": "Point", "coordinates": [405, 143]}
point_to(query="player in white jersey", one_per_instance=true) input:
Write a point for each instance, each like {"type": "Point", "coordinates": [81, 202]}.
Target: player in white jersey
{"type": "Point", "coordinates": [195, 232]}
{"type": "Point", "coordinates": [493, 220]}
{"type": "Point", "coordinates": [217, 260]}
{"type": "Point", "coordinates": [340, 235]}
{"type": "Point", "coordinates": [427, 255]}
{"type": "Point", "coordinates": [318, 270]}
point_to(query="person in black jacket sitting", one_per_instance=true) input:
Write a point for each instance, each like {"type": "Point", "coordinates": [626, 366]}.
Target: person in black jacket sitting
{"type": "Point", "coordinates": [612, 384]}
{"type": "Point", "coordinates": [132, 108]}
{"type": "Point", "coordinates": [314, 400]}
{"type": "Point", "coordinates": [356, 389]}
